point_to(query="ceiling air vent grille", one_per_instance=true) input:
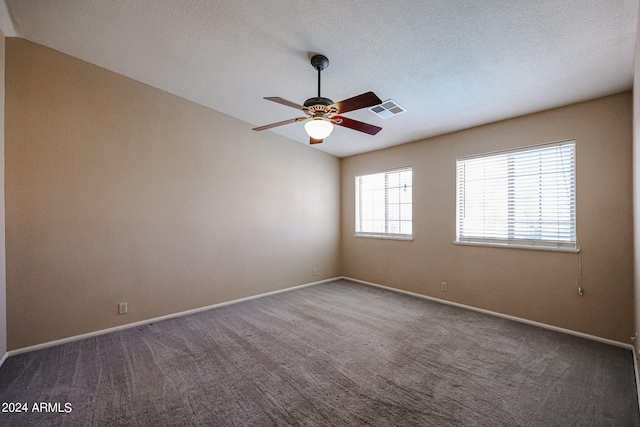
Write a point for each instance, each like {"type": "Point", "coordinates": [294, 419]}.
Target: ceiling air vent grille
{"type": "Point", "coordinates": [387, 109]}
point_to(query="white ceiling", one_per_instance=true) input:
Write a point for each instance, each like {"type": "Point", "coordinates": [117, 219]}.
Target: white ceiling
{"type": "Point", "coordinates": [451, 64]}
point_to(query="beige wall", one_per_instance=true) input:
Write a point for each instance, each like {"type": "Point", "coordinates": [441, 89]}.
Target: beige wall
{"type": "Point", "coordinates": [116, 191]}
{"type": "Point", "coordinates": [3, 275]}
{"type": "Point", "coordinates": [535, 285]}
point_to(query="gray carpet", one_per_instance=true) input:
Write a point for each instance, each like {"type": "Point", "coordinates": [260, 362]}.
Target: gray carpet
{"type": "Point", "coordinates": [335, 354]}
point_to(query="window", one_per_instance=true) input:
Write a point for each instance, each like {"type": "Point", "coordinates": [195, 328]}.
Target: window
{"type": "Point", "coordinates": [519, 198]}
{"type": "Point", "coordinates": [384, 204]}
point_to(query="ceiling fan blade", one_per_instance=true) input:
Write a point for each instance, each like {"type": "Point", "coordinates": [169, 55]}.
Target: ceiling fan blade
{"type": "Point", "coordinates": [284, 102]}
{"type": "Point", "coordinates": [356, 125]}
{"type": "Point", "coordinates": [368, 99]}
{"type": "Point", "coordinates": [315, 141]}
{"type": "Point", "coordinates": [284, 122]}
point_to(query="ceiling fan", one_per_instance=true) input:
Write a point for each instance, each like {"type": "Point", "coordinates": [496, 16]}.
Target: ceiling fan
{"type": "Point", "coordinates": [323, 113]}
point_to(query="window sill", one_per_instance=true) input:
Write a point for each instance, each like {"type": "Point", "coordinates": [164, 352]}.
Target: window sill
{"type": "Point", "coordinates": [506, 246]}
{"type": "Point", "coordinates": [383, 237]}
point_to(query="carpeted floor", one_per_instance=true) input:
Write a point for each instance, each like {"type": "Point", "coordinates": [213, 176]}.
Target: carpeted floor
{"type": "Point", "coordinates": [336, 354]}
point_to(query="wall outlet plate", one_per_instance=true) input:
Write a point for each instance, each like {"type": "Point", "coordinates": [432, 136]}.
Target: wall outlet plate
{"type": "Point", "coordinates": [122, 308]}
{"type": "Point", "coordinates": [444, 287]}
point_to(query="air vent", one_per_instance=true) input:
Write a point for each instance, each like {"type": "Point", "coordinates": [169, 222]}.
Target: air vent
{"type": "Point", "coordinates": [387, 109]}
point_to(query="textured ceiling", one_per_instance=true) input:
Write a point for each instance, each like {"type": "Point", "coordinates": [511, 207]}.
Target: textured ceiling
{"type": "Point", "coordinates": [451, 64]}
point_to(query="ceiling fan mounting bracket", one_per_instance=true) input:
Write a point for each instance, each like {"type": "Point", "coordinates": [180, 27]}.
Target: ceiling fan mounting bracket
{"type": "Point", "coordinates": [319, 62]}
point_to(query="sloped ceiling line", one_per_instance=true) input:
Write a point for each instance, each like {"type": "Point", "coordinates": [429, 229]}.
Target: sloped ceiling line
{"type": "Point", "coordinates": [452, 65]}
{"type": "Point", "coordinates": [6, 23]}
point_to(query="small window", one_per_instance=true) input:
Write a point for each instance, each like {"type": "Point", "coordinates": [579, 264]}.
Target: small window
{"type": "Point", "coordinates": [519, 198]}
{"type": "Point", "coordinates": [384, 204]}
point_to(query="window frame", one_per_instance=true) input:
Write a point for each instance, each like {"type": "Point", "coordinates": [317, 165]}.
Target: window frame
{"type": "Point", "coordinates": [358, 203]}
{"type": "Point", "coordinates": [570, 245]}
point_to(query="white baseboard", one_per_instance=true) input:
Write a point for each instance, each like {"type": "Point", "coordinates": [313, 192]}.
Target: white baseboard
{"type": "Point", "coordinates": [155, 319]}
{"type": "Point", "coordinates": [495, 313]}
{"type": "Point", "coordinates": [635, 369]}
{"type": "Point", "coordinates": [196, 310]}
{"type": "Point", "coordinates": [455, 304]}
{"type": "Point", "coordinates": [3, 359]}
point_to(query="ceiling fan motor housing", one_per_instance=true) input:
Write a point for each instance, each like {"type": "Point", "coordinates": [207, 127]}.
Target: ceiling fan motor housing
{"type": "Point", "coordinates": [318, 100]}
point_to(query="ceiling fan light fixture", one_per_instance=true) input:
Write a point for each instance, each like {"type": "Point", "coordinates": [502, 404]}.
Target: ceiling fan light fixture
{"type": "Point", "coordinates": [318, 128]}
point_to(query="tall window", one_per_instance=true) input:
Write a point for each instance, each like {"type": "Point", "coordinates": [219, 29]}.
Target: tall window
{"type": "Point", "coordinates": [384, 204]}
{"type": "Point", "coordinates": [524, 197]}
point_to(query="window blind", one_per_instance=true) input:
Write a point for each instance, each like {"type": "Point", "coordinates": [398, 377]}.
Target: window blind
{"type": "Point", "coordinates": [524, 197]}
{"type": "Point", "coordinates": [384, 204]}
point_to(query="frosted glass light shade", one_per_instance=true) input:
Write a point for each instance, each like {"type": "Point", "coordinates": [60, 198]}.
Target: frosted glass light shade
{"type": "Point", "coordinates": [318, 128]}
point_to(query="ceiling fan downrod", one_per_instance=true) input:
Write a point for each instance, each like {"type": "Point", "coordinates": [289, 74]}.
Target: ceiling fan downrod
{"type": "Point", "coordinates": [319, 62]}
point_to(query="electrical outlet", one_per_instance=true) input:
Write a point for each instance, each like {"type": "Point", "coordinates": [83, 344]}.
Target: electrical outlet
{"type": "Point", "coordinates": [444, 287]}
{"type": "Point", "coordinates": [122, 308]}
{"type": "Point", "coordinates": [315, 271]}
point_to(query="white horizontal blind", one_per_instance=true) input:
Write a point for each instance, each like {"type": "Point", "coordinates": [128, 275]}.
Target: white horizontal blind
{"type": "Point", "coordinates": [384, 204]}
{"type": "Point", "coordinates": [524, 197]}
